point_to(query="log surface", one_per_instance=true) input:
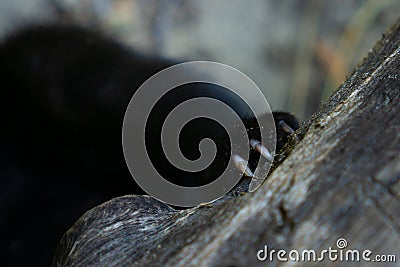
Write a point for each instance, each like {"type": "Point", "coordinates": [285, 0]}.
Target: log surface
{"type": "Point", "coordinates": [341, 179]}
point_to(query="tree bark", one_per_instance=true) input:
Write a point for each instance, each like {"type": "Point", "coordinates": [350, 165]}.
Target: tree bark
{"type": "Point", "coordinates": [341, 179]}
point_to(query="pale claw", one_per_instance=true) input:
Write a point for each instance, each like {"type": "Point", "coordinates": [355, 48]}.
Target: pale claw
{"type": "Point", "coordinates": [242, 165]}
{"type": "Point", "coordinates": [260, 174]}
{"type": "Point", "coordinates": [285, 127]}
{"type": "Point", "coordinates": [255, 183]}
{"type": "Point", "coordinates": [261, 149]}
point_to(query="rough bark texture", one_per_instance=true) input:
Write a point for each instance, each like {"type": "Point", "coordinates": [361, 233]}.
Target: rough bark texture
{"type": "Point", "coordinates": [341, 180]}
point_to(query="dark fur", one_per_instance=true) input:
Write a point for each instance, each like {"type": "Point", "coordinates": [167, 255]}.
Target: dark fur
{"type": "Point", "coordinates": [64, 94]}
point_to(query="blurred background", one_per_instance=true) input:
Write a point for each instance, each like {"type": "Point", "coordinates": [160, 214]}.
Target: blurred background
{"type": "Point", "coordinates": [297, 52]}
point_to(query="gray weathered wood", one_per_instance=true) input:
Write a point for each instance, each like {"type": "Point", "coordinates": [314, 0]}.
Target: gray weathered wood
{"type": "Point", "coordinates": [341, 180]}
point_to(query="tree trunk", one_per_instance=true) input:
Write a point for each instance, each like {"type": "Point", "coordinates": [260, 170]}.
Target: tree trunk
{"type": "Point", "coordinates": [341, 180]}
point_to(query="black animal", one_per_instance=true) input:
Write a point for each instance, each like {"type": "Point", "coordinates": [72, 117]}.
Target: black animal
{"type": "Point", "coordinates": [64, 91]}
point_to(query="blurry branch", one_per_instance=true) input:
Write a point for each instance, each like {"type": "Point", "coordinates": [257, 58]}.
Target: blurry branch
{"type": "Point", "coordinates": [303, 62]}
{"type": "Point", "coordinates": [334, 63]}
{"type": "Point", "coordinates": [350, 40]}
{"type": "Point", "coordinates": [338, 61]}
